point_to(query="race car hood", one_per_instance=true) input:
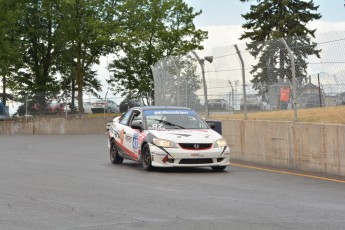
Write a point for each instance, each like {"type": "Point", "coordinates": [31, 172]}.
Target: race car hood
{"type": "Point", "coordinates": [187, 135]}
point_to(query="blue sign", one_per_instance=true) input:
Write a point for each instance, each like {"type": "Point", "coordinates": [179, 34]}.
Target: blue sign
{"type": "Point", "coordinates": [135, 141]}
{"type": "Point", "coordinates": [163, 112]}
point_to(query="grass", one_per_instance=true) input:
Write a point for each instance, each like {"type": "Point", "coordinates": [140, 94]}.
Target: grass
{"type": "Point", "coordinates": [334, 115]}
{"type": "Point", "coordinates": [96, 115]}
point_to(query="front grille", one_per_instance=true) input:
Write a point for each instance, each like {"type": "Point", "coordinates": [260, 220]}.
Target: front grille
{"type": "Point", "coordinates": [195, 146]}
{"type": "Point", "coordinates": [196, 161]}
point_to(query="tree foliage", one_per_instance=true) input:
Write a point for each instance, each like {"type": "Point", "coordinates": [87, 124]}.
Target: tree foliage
{"type": "Point", "coordinates": [86, 31]}
{"type": "Point", "coordinates": [38, 27]}
{"type": "Point", "coordinates": [9, 52]}
{"type": "Point", "coordinates": [268, 22]}
{"type": "Point", "coordinates": [151, 30]}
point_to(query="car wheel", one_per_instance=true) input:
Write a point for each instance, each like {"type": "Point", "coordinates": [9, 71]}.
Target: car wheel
{"type": "Point", "coordinates": [146, 158]}
{"type": "Point", "coordinates": [218, 168]}
{"type": "Point", "coordinates": [114, 154]}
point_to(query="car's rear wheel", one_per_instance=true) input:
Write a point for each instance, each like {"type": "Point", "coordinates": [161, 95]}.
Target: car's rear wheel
{"type": "Point", "coordinates": [218, 168]}
{"type": "Point", "coordinates": [146, 158]}
{"type": "Point", "coordinates": [115, 158]}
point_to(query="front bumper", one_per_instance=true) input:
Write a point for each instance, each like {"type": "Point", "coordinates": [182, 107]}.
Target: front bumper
{"type": "Point", "coordinates": [178, 157]}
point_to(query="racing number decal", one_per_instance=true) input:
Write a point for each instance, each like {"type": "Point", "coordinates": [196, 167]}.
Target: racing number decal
{"type": "Point", "coordinates": [135, 141]}
{"type": "Point", "coordinates": [158, 126]}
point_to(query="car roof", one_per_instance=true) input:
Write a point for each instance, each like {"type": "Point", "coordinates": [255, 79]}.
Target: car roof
{"type": "Point", "coordinates": [216, 100]}
{"type": "Point", "coordinates": [103, 100]}
{"type": "Point", "coordinates": [160, 107]}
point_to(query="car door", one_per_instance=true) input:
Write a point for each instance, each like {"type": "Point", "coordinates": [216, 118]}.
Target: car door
{"type": "Point", "coordinates": [131, 136]}
{"type": "Point", "coordinates": [128, 138]}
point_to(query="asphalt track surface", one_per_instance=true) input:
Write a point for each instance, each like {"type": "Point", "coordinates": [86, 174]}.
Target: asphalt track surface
{"type": "Point", "coordinates": [67, 182]}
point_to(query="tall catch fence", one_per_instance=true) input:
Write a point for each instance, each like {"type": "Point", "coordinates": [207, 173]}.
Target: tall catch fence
{"type": "Point", "coordinates": [284, 74]}
{"type": "Point", "coordinates": [47, 105]}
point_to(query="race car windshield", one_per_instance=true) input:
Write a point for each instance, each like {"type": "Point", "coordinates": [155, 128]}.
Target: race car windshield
{"type": "Point", "coordinates": [173, 119]}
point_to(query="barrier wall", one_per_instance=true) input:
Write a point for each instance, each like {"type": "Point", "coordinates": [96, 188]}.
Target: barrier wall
{"type": "Point", "coordinates": [305, 146]}
{"type": "Point", "coordinates": [55, 126]}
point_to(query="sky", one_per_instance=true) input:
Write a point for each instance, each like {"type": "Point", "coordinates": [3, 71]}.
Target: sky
{"type": "Point", "coordinates": [223, 20]}
{"type": "Point", "coordinates": [228, 12]}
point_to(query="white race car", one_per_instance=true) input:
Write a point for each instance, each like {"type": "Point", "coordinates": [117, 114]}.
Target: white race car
{"type": "Point", "coordinates": [160, 136]}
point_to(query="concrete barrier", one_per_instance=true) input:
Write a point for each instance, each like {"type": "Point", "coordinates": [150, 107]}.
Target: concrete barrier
{"type": "Point", "coordinates": [304, 146]}
{"type": "Point", "coordinates": [55, 126]}
{"type": "Point", "coordinates": [16, 128]}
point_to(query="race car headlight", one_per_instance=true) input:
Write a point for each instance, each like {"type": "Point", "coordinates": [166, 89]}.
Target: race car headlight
{"type": "Point", "coordinates": [164, 143]}
{"type": "Point", "coordinates": [220, 143]}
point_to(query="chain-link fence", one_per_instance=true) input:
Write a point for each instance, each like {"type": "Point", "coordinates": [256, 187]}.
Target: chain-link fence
{"type": "Point", "coordinates": [288, 73]}
{"type": "Point", "coordinates": [42, 104]}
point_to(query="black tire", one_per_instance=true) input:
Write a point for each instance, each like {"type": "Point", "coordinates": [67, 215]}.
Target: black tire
{"type": "Point", "coordinates": [115, 158]}
{"type": "Point", "coordinates": [218, 168]}
{"type": "Point", "coordinates": [146, 158]}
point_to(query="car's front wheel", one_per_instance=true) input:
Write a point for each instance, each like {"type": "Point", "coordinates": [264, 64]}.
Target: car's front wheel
{"type": "Point", "coordinates": [146, 158]}
{"type": "Point", "coordinates": [218, 168]}
{"type": "Point", "coordinates": [115, 158]}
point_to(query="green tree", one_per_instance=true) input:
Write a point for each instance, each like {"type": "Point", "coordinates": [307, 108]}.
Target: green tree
{"type": "Point", "coordinates": [9, 52]}
{"type": "Point", "coordinates": [271, 20]}
{"type": "Point", "coordinates": [58, 42]}
{"type": "Point", "coordinates": [150, 31]}
{"type": "Point", "coordinates": [38, 27]}
{"type": "Point", "coordinates": [86, 29]}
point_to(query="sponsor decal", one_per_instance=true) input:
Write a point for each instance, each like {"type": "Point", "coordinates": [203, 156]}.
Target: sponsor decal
{"type": "Point", "coordinates": [197, 155]}
{"type": "Point", "coordinates": [180, 134]}
{"type": "Point", "coordinates": [128, 138]}
{"type": "Point", "coordinates": [162, 112]}
{"type": "Point", "coordinates": [122, 135]}
{"type": "Point", "coordinates": [142, 138]}
{"type": "Point", "coordinates": [135, 142]}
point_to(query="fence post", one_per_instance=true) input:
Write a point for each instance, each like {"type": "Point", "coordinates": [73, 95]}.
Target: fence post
{"type": "Point", "coordinates": [26, 107]}
{"type": "Point", "coordinates": [320, 96]}
{"type": "Point", "coordinates": [178, 75]}
{"type": "Point", "coordinates": [244, 84]}
{"type": "Point", "coordinates": [293, 70]}
{"type": "Point", "coordinates": [202, 65]}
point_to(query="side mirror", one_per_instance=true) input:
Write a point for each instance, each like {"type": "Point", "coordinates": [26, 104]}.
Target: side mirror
{"type": "Point", "coordinates": [137, 126]}
{"type": "Point", "coordinates": [212, 125]}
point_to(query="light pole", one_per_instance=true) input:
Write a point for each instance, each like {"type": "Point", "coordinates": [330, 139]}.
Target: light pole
{"type": "Point", "coordinates": [202, 65]}
{"type": "Point", "coordinates": [106, 102]}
